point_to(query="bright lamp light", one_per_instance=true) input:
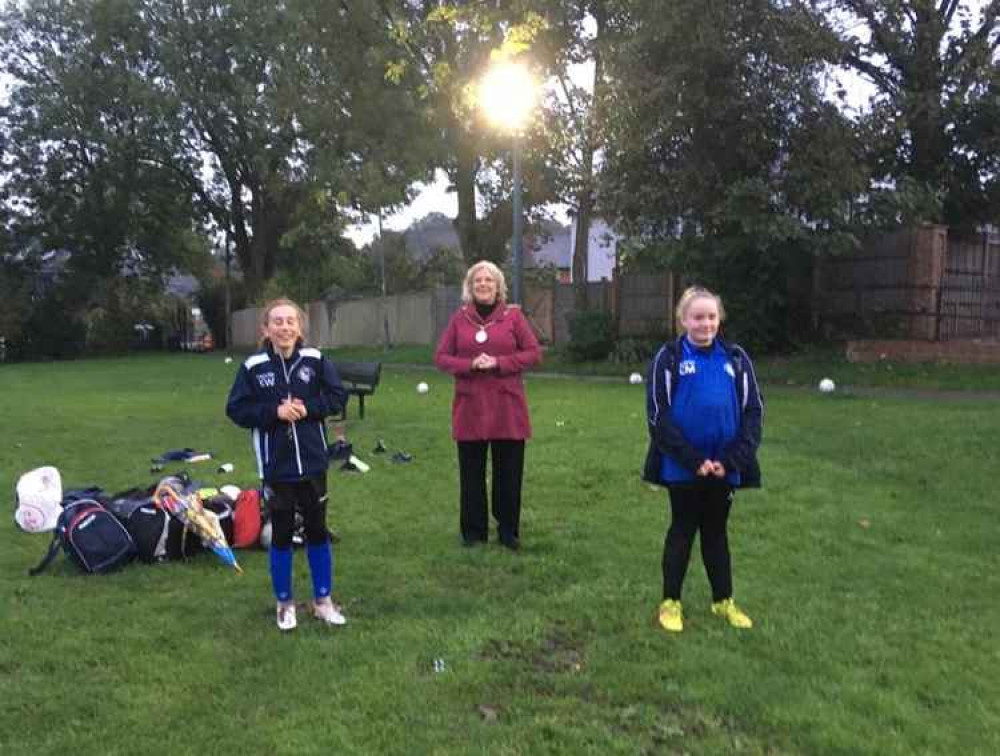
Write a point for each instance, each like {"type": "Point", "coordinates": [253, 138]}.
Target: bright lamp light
{"type": "Point", "coordinates": [507, 95]}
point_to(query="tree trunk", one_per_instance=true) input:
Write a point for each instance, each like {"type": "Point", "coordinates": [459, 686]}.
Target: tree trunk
{"type": "Point", "coordinates": [466, 223]}
{"type": "Point", "coordinates": [585, 198]}
{"type": "Point", "coordinates": [924, 104]}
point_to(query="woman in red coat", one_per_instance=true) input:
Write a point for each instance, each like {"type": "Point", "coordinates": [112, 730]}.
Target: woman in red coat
{"type": "Point", "coordinates": [486, 346]}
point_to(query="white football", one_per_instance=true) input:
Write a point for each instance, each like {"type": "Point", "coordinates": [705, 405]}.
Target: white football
{"type": "Point", "coordinates": [228, 360]}
{"type": "Point", "coordinates": [827, 386]}
{"type": "Point", "coordinates": [635, 378]}
{"type": "Point", "coordinates": [423, 388]}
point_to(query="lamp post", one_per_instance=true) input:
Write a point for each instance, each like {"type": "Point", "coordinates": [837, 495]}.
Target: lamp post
{"type": "Point", "coordinates": [507, 96]}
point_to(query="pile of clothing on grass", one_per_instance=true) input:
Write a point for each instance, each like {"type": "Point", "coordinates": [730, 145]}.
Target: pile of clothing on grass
{"type": "Point", "coordinates": [174, 519]}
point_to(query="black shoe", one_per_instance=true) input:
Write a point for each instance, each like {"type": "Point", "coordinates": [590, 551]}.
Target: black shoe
{"type": "Point", "coordinates": [512, 542]}
{"type": "Point", "coordinates": [380, 447]}
{"type": "Point", "coordinates": [472, 542]}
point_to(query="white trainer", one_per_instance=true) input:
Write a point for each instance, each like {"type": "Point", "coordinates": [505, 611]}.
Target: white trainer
{"type": "Point", "coordinates": [286, 617]}
{"type": "Point", "coordinates": [328, 612]}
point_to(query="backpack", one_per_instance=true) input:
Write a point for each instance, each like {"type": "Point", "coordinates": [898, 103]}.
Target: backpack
{"type": "Point", "coordinates": [157, 536]}
{"type": "Point", "coordinates": [246, 519]}
{"type": "Point", "coordinates": [92, 538]}
{"type": "Point", "coordinates": [37, 498]}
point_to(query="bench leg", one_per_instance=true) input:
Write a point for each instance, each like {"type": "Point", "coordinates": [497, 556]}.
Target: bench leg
{"type": "Point", "coordinates": [361, 406]}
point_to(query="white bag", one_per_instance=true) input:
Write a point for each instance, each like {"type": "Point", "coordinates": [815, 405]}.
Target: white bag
{"type": "Point", "coordinates": [39, 500]}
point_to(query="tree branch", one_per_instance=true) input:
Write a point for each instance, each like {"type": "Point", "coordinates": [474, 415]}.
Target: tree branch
{"type": "Point", "coordinates": [880, 77]}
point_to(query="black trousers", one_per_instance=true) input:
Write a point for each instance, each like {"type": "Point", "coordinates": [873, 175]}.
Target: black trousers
{"type": "Point", "coordinates": [308, 497]}
{"type": "Point", "coordinates": [699, 507]}
{"type": "Point", "coordinates": [508, 472]}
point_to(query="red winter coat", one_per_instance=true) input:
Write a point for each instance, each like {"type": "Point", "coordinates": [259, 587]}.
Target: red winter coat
{"type": "Point", "coordinates": [488, 404]}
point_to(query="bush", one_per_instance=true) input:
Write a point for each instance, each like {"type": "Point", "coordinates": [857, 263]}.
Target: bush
{"type": "Point", "coordinates": [633, 351]}
{"type": "Point", "coordinates": [591, 335]}
{"type": "Point", "coordinates": [55, 329]}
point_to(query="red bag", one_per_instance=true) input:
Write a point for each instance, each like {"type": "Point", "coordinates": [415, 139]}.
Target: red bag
{"type": "Point", "coordinates": [246, 519]}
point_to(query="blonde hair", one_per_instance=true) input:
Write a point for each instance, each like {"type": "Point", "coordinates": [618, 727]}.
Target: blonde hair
{"type": "Point", "coordinates": [283, 302]}
{"type": "Point", "coordinates": [690, 294]}
{"type": "Point", "coordinates": [495, 273]}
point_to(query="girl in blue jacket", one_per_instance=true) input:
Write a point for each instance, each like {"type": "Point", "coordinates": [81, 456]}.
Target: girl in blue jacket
{"type": "Point", "coordinates": [283, 395]}
{"type": "Point", "coordinates": [705, 416]}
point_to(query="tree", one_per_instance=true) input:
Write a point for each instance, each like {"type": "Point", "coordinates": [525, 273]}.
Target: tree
{"type": "Point", "coordinates": [74, 159]}
{"type": "Point", "coordinates": [933, 63]}
{"type": "Point", "coordinates": [272, 125]}
{"type": "Point", "coordinates": [579, 32]}
{"type": "Point", "coordinates": [724, 160]}
{"type": "Point", "coordinates": [446, 49]}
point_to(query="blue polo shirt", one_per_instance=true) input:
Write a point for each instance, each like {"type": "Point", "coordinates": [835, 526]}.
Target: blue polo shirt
{"type": "Point", "coordinates": [704, 406]}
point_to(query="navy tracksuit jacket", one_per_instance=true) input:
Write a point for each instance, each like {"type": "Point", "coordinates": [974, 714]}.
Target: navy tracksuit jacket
{"type": "Point", "coordinates": [286, 452]}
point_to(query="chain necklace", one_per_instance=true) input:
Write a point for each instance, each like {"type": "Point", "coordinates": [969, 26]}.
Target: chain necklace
{"type": "Point", "coordinates": [481, 335]}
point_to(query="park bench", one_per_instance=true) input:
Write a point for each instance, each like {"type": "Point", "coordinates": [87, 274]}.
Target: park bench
{"type": "Point", "coordinates": [360, 379]}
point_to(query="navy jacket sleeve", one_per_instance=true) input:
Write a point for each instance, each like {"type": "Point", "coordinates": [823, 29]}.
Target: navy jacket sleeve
{"type": "Point", "coordinates": [740, 453]}
{"type": "Point", "coordinates": [662, 431]}
{"type": "Point", "coordinates": [332, 396]}
{"type": "Point", "coordinates": [245, 408]}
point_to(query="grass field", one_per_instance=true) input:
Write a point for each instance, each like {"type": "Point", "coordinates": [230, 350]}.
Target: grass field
{"type": "Point", "coordinates": [868, 563]}
{"type": "Point", "coordinates": [803, 369]}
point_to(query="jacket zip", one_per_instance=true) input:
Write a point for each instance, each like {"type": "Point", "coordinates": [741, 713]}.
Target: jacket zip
{"type": "Point", "coordinates": [288, 385]}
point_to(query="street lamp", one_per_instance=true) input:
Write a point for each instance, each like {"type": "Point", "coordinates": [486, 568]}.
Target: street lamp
{"type": "Point", "coordinates": [507, 97]}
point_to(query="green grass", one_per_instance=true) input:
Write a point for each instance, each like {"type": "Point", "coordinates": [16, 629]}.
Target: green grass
{"type": "Point", "coordinates": [802, 369]}
{"type": "Point", "coordinates": [868, 562]}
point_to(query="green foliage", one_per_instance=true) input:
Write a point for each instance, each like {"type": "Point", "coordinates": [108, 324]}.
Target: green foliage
{"type": "Point", "coordinates": [16, 285]}
{"type": "Point", "coordinates": [131, 124]}
{"type": "Point", "coordinates": [725, 162]}
{"type": "Point", "coordinates": [211, 298]}
{"type": "Point", "coordinates": [932, 120]}
{"type": "Point", "coordinates": [591, 335]}
{"type": "Point", "coordinates": [634, 351]}
{"type": "Point", "coordinates": [55, 329]}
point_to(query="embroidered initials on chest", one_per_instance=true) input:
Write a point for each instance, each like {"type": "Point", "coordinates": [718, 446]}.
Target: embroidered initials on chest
{"type": "Point", "coordinates": [265, 380]}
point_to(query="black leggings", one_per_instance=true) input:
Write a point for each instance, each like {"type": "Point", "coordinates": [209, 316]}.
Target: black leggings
{"type": "Point", "coordinates": [309, 497]}
{"type": "Point", "coordinates": [702, 506]}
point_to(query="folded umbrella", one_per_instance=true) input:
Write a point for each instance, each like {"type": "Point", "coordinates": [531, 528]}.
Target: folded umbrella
{"type": "Point", "coordinates": [186, 506]}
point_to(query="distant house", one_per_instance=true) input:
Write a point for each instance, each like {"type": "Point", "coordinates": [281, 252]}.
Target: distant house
{"type": "Point", "coordinates": [550, 246]}
{"type": "Point", "coordinates": [602, 250]}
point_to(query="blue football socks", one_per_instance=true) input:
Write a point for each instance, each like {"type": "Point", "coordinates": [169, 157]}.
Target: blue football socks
{"type": "Point", "coordinates": [321, 568]}
{"type": "Point", "coordinates": [281, 573]}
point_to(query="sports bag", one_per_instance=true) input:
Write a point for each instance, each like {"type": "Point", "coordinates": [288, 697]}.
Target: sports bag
{"type": "Point", "coordinates": [92, 538]}
{"type": "Point", "coordinates": [246, 519]}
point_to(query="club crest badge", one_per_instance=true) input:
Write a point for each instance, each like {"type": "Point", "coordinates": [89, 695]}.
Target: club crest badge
{"type": "Point", "coordinates": [687, 367]}
{"type": "Point", "coordinates": [266, 380]}
{"type": "Point", "coordinates": [306, 374]}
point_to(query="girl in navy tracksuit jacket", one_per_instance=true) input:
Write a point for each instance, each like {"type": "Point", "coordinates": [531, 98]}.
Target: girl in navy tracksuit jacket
{"type": "Point", "coordinates": [705, 415]}
{"type": "Point", "coordinates": [283, 394]}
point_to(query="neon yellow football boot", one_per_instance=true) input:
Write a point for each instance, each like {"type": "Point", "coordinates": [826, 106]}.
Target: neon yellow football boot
{"type": "Point", "coordinates": [671, 616]}
{"type": "Point", "coordinates": [732, 614]}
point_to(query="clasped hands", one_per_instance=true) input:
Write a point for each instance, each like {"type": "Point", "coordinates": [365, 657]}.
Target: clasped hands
{"type": "Point", "coordinates": [711, 467]}
{"type": "Point", "coordinates": [484, 362]}
{"type": "Point", "coordinates": [291, 410]}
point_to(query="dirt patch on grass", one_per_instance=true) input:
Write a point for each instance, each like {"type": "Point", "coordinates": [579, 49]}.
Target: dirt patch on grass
{"type": "Point", "coordinates": [556, 652]}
